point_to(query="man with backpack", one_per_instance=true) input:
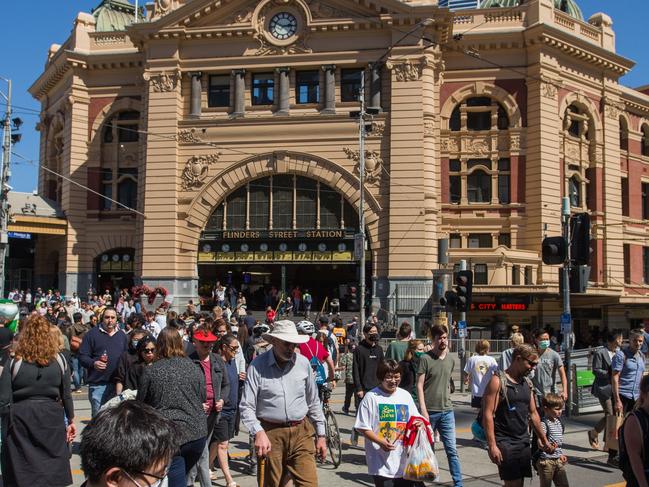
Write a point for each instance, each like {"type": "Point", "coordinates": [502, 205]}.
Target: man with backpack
{"type": "Point", "coordinates": [75, 333]}
{"type": "Point", "coordinates": [307, 299]}
{"type": "Point", "coordinates": [316, 354]}
{"type": "Point", "coordinates": [508, 408]}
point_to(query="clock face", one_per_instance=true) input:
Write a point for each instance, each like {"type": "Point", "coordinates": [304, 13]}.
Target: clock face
{"type": "Point", "coordinates": [283, 25]}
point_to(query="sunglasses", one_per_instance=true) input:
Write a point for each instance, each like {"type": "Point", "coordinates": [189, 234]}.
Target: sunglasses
{"type": "Point", "coordinates": [149, 350]}
{"type": "Point", "coordinates": [531, 362]}
{"type": "Point", "coordinates": [232, 349]}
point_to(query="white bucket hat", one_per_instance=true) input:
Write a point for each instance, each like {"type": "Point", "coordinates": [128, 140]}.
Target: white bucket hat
{"type": "Point", "coordinates": [285, 330]}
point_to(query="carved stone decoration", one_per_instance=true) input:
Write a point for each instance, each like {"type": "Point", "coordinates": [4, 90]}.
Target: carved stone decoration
{"type": "Point", "coordinates": [188, 137]}
{"type": "Point", "coordinates": [378, 129]}
{"type": "Point", "coordinates": [478, 147]}
{"type": "Point", "coordinates": [266, 48]}
{"type": "Point", "coordinates": [515, 142]}
{"type": "Point", "coordinates": [549, 88]}
{"type": "Point", "coordinates": [243, 16]}
{"type": "Point", "coordinates": [319, 10]}
{"type": "Point", "coordinates": [429, 128]}
{"type": "Point", "coordinates": [612, 109]}
{"type": "Point", "coordinates": [163, 7]}
{"type": "Point", "coordinates": [449, 145]}
{"type": "Point", "coordinates": [572, 151]}
{"type": "Point", "coordinates": [373, 164]}
{"type": "Point", "coordinates": [196, 170]}
{"type": "Point", "coordinates": [405, 72]}
{"type": "Point", "coordinates": [163, 82]}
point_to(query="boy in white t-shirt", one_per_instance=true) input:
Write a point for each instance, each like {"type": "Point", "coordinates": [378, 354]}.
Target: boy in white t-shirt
{"type": "Point", "coordinates": [382, 418]}
{"type": "Point", "coordinates": [478, 371]}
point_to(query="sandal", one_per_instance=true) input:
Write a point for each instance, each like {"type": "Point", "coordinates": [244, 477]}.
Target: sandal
{"type": "Point", "coordinates": [593, 440]}
{"type": "Point", "coordinates": [213, 475]}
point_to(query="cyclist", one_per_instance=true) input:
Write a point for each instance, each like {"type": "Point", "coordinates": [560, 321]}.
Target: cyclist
{"type": "Point", "coordinates": [316, 354]}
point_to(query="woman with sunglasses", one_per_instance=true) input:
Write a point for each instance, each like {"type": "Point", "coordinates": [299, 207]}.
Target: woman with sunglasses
{"type": "Point", "coordinates": [146, 355]}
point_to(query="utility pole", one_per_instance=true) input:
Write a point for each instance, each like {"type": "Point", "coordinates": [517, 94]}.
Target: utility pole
{"type": "Point", "coordinates": [4, 189]}
{"type": "Point", "coordinates": [361, 200]}
{"type": "Point", "coordinates": [462, 351]}
{"type": "Point", "coordinates": [565, 216]}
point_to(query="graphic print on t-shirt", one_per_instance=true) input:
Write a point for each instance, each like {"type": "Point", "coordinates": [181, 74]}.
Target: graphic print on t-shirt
{"type": "Point", "coordinates": [392, 421]}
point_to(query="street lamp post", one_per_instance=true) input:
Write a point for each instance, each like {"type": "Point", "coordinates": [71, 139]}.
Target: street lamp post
{"type": "Point", "coordinates": [4, 189]}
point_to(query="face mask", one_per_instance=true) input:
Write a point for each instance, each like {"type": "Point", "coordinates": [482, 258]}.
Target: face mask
{"type": "Point", "coordinates": [419, 354]}
{"type": "Point", "coordinates": [543, 344]}
{"type": "Point", "coordinates": [134, 344]}
{"type": "Point", "coordinates": [374, 337]}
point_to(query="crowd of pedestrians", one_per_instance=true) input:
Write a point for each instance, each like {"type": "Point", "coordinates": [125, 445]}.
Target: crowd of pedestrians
{"type": "Point", "coordinates": [196, 376]}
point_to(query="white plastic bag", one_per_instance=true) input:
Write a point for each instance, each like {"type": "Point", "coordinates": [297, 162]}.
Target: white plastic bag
{"type": "Point", "coordinates": [422, 464]}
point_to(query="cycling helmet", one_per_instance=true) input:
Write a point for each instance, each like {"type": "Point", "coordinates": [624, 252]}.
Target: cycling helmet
{"type": "Point", "coordinates": [260, 329]}
{"type": "Point", "coordinates": [305, 327]}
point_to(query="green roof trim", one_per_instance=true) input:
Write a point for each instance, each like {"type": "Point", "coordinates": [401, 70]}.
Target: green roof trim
{"type": "Point", "coordinates": [568, 6]}
{"type": "Point", "coordinates": [115, 15]}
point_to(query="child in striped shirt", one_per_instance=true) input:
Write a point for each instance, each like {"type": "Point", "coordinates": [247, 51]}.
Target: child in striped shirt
{"type": "Point", "coordinates": [551, 467]}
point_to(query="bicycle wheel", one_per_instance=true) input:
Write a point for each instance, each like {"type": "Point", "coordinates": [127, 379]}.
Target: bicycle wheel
{"type": "Point", "coordinates": [333, 438]}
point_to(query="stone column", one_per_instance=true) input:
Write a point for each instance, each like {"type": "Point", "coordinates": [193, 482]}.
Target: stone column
{"type": "Point", "coordinates": [329, 89]}
{"type": "Point", "coordinates": [239, 92]}
{"type": "Point", "coordinates": [283, 101]}
{"type": "Point", "coordinates": [375, 85]}
{"type": "Point", "coordinates": [196, 92]}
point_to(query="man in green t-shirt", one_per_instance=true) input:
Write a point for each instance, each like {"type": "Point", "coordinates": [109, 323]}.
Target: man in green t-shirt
{"type": "Point", "coordinates": [434, 395]}
{"type": "Point", "coordinates": [397, 349]}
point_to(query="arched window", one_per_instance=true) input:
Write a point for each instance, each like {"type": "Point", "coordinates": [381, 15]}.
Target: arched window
{"type": "Point", "coordinates": [298, 203]}
{"type": "Point", "coordinates": [624, 134]}
{"type": "Point", "coordinates": [482, 113]}
{"type": "Point", "coordinates": [574, 192]}
{"type": "Point", "coordinates": [645, 140]}
{"type": "Point", "coordinates": [479, 187]}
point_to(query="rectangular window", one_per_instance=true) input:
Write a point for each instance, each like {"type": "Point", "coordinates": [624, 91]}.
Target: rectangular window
{"type": "Point", "coordinates": [106, 188]}
{"type": "Point", "coordinates": [236, 212]}
{"type": "Point", "coordinates": [625, 196]}
{"type": "Point", "coordinates": [505, 239]}
{"type": "Point", "coordinates": [645, 201]}
{"type": "Point", "coordinates": [259, 204]}
{"type": "Point", "coordinates": [263, 86]}
{"type": "Point", "coordinates": [627, 263]}
{"type": "Point", "coordinates": [528, 275]}
{"type": "Point", "coordinates": [478, 120]}
{"type": "Point", "coordinates": [329, 208]}
{"type": "Point", "coordinates": [480, 241]}
{"type": "Point", "coordinates": [503, 189]}
{"type": "Point", "coordinates": [480, 275]}
{"type": "Point", "coordinates": [645, 265]}
{"type": "Point", "coordinates": [455, 241]}
{"type": "Point", "coordinates": [454, 165]}
{"type": "Point", "coordinates": [455, 188]}
{"type": "Point", "coordinates": [282, 202]}
{"type": "Point", "coordinates": [219, 91]}
{"type": "Point", "coordinates": [307, 87]}
{"type": "Point", "coordinates": [516, 275]}
{"type": "Point", "coordinates": [350, 84]}
{"type": "Point", "coordinates": [128, 133]}
{"type": "Point", "coordinates": [305, 205]}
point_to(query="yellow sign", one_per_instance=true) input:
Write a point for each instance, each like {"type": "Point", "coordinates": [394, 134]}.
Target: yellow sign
{"type": "Point", "coordinates": [344, 256]}
{"type": "Point", "coordinates": [104, 267]}
{"type": "Point", "coordinates": [303, 256]}
{"type": "Point", "coordinates": [225, 257]}
{"type": "Point", "coordinates": [264, 256]}
{"type": "Point", "coordinates": [284, 256]}
{"type": "Point", "coordinates": [206, 256]}
{"type": "Point", "coordinates": [321, 256]}
{"type": "Point", "coordinates": [245, 256]}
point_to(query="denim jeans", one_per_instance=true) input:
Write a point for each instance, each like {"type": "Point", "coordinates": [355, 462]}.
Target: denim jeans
{"type": "Point", "coordinates": [182, 462]}
{"type": "Point", "coordinates": [444, 422]}
{"type": "Point", "coordinates": [98, 395]}
{"type": "Point", "coordinates": [76, 372]}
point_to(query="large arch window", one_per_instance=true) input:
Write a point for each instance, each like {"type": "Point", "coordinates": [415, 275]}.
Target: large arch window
{"type": "Point", "coordinates": [482, 178]}
{"type": "Point", "coordinates": [580, 152]}
{"type": "Point", "coordinates": [284, 202]}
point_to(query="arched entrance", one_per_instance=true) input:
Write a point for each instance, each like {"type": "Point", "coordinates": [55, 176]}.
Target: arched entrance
{"type": "Point", "coordinates": [278, 233]}
{"type": "Point", "coordinates": [115, 269]}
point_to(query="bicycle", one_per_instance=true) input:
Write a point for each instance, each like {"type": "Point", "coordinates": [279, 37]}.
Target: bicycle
{"type": "Point", "coordinates": [334, 444]}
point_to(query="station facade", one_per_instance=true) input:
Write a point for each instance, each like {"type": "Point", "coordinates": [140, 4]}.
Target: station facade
{"type": "Point", "coordinates": [217, 143]}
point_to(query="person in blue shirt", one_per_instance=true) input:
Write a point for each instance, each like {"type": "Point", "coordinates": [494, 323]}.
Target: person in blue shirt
{"type": "Point", "coordinates": [645, 344]}
{"type": "Point", "coordinates": [628, 367]}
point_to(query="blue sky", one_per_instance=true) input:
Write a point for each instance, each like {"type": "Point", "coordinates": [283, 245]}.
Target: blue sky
{"type": "Point", "coordinates": [32, 26]}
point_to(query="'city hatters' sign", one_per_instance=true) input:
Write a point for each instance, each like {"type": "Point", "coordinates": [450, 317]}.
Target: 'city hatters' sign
{"type": "Point", "coordinates": [273, 234]}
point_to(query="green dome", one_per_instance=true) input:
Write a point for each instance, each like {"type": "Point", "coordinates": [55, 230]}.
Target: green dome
{"type": "Point", "coordinates": [114, 15]}
{"type": "Point", "coordinates": [568, 6]}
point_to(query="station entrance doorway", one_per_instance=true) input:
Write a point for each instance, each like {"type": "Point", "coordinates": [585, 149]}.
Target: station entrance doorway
{"type": "Point", "coordinates": [278, 234]}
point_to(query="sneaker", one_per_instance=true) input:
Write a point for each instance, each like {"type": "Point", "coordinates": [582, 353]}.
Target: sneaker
{"type": "Point", "coordinates": [345, 411]}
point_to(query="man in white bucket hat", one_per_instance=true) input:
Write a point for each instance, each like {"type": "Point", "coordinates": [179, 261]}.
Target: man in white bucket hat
{"type": "Point", "coordinates": [280, 408]}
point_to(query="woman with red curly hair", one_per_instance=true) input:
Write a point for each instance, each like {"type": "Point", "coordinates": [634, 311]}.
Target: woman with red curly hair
{"type": "Point", "coordinates": [37, 383]}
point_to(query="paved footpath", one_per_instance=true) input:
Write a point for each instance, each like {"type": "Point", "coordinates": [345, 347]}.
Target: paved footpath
{"type": "Point", "coordinates": [587, 467]}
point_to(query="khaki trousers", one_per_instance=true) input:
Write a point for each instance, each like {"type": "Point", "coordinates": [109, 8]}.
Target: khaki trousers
{"type": "Point", "coordinates": [292, 451]}
{"type": "Point", "coordinates": [551, 470]}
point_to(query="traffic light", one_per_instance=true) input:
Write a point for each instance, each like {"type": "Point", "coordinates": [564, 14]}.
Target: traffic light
{"type": "Point", "coordinates": [580, 239]}
{"type": "Point", "coordinates": [554, 250]}
{"type": "Point", "coordinates": [449, 301]}
{"type": "Point", "coordinates": [463, 290]}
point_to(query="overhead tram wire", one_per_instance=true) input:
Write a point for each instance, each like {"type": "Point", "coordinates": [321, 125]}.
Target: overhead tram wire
{"type": "Point", "coordinates": [36, 164]}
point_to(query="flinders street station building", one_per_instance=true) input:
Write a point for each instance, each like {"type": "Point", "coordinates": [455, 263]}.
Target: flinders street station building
{"type": "Point", "coordinates": [218, 142]}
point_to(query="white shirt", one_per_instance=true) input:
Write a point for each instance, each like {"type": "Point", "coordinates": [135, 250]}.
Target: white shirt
{"type": "Point", "coordinates": [386, 415]}
{"type": "Point", "coordinates": [152, 327]}
{"type": "Point", "coordinates": [481, 368]}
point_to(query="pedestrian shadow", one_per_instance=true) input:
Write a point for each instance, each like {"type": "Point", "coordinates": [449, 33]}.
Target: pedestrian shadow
{"type": "Point", "coordinates": [594, 464]}
{"type": "Point", "coordinates": [356, 478]}
{"type": "Point", "coordinates": [353, 457]}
